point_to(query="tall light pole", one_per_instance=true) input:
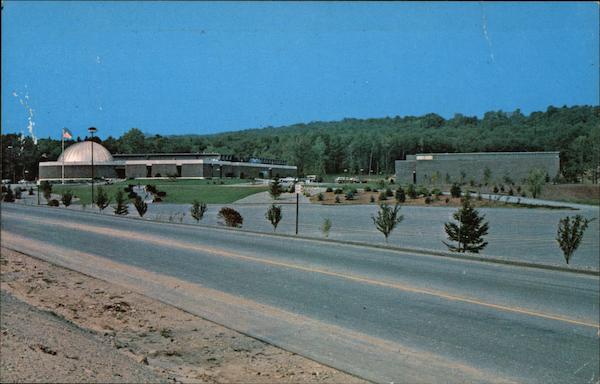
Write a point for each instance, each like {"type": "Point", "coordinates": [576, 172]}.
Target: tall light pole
{"type": "Point", "coordinates": [92, 130]}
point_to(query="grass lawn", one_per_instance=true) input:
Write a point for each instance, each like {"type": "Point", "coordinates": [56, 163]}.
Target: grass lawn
{"type": "Point", "coordinates": [179, 191]}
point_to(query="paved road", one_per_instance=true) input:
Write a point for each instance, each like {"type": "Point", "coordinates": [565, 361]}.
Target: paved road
{"type": "Point", "coordinates": [515, 234]}
{"type": "Point", "coordinates": [385, 316]}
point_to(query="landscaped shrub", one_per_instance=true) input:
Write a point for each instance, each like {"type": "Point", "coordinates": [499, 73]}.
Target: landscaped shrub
{"type": "Point", "coordinates": [337, 200]}
{"type": "Point", "coordinates": [9, 197]}
{"type": "Point", "coordinates": [198, 210]}
{"type": "Point", "coordinates": [66, 198]}
{"type": "Point", "coordinates": [400, 195]}
{"type": "Point", "coordinates": [53, 203]}
{"type": "Point", "coordinates": [375, 190]}
{"type": "Point", "coordinates": [367, 189]}
{"type": "Point", "coordinates": [387, 218]}
{"type": "Point", "coordinates": [455, 190]}
{"type": "Point", "coordinates": [372, 199]}
{"type": "Point", "coordinates": [428, 200]}
{"type": "Point", "coordinates": [231, 217]}
{"type": "Point", "coordinates": [411, 191]}
{"type": "Point", "coordinates": [511, 192]}
{"type": "Point", "coordinates": [382, 196]}
{"type": "Point", "coordinates": [496, 190]}
{"type": "Point", "coordinates": [151, 188]}
{"type": "Point", "coordinates": [447, 200]}
{"type": "Point", "coordinates": [46, 188]}
{"type": "Point", "coordinates": [275, 189]}
{"type": "Point", "coordinates": [102, 199]}
{"type": "Point", "coordinates": [502, 188]}
{"type": "Point", "coordinates": [329, 189]}
{"type": "Point", "coordinates": [338, 191]}
{"type": "Point", "coordinates": [349, 195]}
{"type": "Point", "coordinates": [389, 193]}
{"type": "Point", "coordinates": [140, 206]}
{"type": "Point", "coordinates": [121, 207]}
{"type": "Point", "coordinates": [273, 214]}
{"type": "Point", "coordinates": [436, 192]}
{"type": "Point", "coordinates": [320, 197]}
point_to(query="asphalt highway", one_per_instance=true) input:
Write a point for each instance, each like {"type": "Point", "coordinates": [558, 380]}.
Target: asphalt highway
{"type": "Point", "coordinates": [382, 315]}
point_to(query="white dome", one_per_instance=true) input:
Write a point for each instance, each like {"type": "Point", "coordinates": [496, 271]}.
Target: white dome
{"type": "Point", "coordinates": [82, 153]}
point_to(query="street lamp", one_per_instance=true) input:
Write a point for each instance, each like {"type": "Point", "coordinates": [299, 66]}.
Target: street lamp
{"type": "Point", "coordinates": [92, 130]}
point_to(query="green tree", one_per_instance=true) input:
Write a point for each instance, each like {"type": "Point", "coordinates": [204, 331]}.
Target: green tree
{"type": "Point", "coordinates": [133, 141]}
{"type": "Point", "coordinates": [273, 214]}
{"type": "Point", "coordinates": [198, 210]}
{"type": "Point", "coordinates": [411, 191]}
{"type": "Point", "coordinates": [140, 205]}
{"type": "Point", "coordinates": [535, 181]}
{"type": "Point", "coordinates": [387, 218]}
{"type": "Point", "coordinates": [469, 231]}
{"type": "Point", "coordinates": [102, 199]}
{"type": "Point", "coordinates": [570, 233]}
{"type": "Point", "coordinates": [400, 195]}
{"type": "Point", "coordinates": [66, 198]}
{"type": "Point", "coordinates": [275, 189]}
{"type": "Point", "coordinates": [231, 217]}
{"type": "Point", "coordinates": [455, 190]}
{"type": "Point", "coordinates": [9, 197]}
{"type": "Point", "coordinates": [121, 207]}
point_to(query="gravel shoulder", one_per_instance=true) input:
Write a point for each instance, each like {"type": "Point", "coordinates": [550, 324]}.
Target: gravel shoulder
{"type": "Point", "coordinates": [59, 325]}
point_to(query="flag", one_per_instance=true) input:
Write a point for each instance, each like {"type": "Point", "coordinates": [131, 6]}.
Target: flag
{"type": "Point", "coordinates": [66, 134]}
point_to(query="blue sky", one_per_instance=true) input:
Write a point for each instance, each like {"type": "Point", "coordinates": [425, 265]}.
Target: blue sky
{"type": "Point", "coordinates": [200, 67]}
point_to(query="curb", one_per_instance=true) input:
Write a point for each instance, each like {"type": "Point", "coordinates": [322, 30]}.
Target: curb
{"type": "Point", "coordinates": [391, 248]}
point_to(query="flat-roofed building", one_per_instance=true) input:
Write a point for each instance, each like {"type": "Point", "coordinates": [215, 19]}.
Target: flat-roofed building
{"type": "Point", "coordinates": [445, 168]}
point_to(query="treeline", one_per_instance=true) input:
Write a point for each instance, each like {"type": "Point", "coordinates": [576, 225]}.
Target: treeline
{"type": "Point", "coordinates": [354, 144]}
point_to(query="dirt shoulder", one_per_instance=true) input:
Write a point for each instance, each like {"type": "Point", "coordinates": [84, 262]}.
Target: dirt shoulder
{"type": "Point", "coordinates": [86, 330]}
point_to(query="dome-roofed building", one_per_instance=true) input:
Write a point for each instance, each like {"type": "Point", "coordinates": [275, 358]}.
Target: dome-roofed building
{"type": "Point", "coordinates": [77, 165]}
{"type": "Point", "coordinates": [82, 153]}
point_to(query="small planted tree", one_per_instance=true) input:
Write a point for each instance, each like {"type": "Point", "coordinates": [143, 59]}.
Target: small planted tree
{"type": "Point", "coordinates": [387, 218]}
{"type": "Point", "coordinates": [411, 191]}
{"type": "Point", "coordinates": [140, 206]}
{"type": "Point", "coordinates": [455, 190]}
{"type": "Point", "coordinates": [469, 231]}
{"type": "Point", "coordinates": [102, 199]}
{"type": "Point", "coordinates": [326, 227]}
{"type": "Point", "coordinates": [274, 215]}
{"type": "Point", "coordinates": [570, 233]}
{"type": "Point", "coordinates": [535, 182]}
{"type": "Point", "coordinates": [66, 198]}
{"type": "Point", "coordinates": [231, 217]}
{"type": "Point", "coordinates": [9, 197]}
{"type": "Point", "coordinates": [400, 195]}
{"type": "Point", "coordinates": [46, 188]}
{"type": "Point", "coordinates": [198, 210]}
{"type": "Point", "coordinates": [275, 189]}
{"type": "Point", "coordinates": [121, 207]}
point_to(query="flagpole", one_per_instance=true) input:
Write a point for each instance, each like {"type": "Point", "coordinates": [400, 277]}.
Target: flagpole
{"type": "Point", "coordinates": [62, 135]}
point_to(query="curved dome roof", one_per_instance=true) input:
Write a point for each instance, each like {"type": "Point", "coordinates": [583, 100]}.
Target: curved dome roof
{"type": "Point", "coordinates": [82, 152]}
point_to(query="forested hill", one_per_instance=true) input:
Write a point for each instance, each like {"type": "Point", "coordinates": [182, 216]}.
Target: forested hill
{"type": "Point", "coordinates": [353, 144]}
{"type": "Point", "coordinates": [331, 147]}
